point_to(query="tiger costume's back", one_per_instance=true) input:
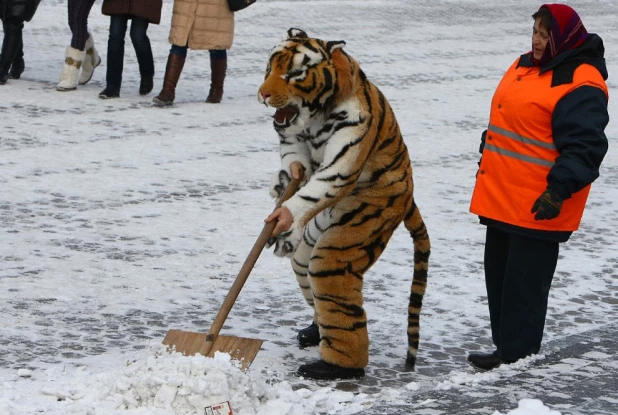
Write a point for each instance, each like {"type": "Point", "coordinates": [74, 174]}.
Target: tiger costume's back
{"type": "Point", "coordinates": [358, 188]}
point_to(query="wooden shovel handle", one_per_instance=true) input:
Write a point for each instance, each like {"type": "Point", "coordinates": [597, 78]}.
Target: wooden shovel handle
{"type": "Point", "coordinates": [257, 249]}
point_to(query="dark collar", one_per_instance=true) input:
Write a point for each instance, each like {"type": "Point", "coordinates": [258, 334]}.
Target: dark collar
{"type": "Point", "coordinates": [564, 65]}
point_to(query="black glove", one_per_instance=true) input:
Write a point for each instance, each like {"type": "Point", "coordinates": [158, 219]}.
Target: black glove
{"type": "Point", "coordinates": [547, 206]}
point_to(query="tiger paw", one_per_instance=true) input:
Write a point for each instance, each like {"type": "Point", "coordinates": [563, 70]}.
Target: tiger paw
{"type": "Point", "coordinates": [278, 183]}
{"type": "Point", "coordinates": [287, 242]}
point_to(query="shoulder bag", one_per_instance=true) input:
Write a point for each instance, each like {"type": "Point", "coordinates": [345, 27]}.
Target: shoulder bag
{"type": "Point", "coordinates": [236, 5]}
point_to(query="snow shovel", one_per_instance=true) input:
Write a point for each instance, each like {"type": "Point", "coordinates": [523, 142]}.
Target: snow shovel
{"type": "Point", "coordinates": [239, 348]}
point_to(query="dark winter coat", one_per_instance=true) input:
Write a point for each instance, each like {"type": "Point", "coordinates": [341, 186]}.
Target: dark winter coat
{"type": "Point", "coordinates": [147, 9]}
{"type": "Point", "coordinates": [18, 9]}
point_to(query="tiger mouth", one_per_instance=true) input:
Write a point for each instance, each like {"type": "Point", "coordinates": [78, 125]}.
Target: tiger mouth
{"type": "Point", "coordinates": [284, 117]}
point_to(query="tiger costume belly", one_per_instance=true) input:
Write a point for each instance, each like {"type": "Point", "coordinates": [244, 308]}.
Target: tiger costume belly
{"type": "Point", "coordinates": [358, 188]}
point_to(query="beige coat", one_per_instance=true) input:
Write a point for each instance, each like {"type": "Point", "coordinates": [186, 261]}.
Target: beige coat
{"type": "Point", "coordinates": [202, 24]}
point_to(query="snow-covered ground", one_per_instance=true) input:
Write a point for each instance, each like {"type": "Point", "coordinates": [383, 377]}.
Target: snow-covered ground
{"type": "Point", "coordinates": [120, 221]}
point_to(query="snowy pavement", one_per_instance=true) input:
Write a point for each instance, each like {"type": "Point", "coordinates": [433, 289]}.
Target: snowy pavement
{"type": "Point", "coordinates": [578, 377]}
{"type": "Point", "coordinates": [120, 221]}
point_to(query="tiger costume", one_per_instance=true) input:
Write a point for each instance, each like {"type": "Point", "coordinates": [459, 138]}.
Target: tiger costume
{"type": "Point", "coordinates": [357, 189]}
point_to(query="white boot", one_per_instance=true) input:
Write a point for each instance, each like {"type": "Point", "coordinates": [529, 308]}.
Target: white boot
{"type": "Point", "coordinates": [70, 71]}
{"type": "Point", "coordinates": [91, 61]}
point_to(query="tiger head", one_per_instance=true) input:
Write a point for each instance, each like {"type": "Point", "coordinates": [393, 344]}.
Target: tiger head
{"type": "Point", "coordinates": [305, 77]}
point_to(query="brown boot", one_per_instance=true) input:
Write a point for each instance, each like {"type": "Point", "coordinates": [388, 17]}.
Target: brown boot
{"type": "Point", "coordinates": [217, 76]}
{"type": "Point", "coordinates": [173, 69]}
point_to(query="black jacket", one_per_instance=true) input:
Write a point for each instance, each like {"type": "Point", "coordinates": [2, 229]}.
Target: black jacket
{"type": "Point", "coordinates": [20, 10]}
{"type": "Point", "coordinates": [578, 123]}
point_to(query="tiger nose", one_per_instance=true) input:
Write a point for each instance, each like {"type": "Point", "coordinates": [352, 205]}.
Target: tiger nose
{"type": "Point", "coordinates": [265, 95]}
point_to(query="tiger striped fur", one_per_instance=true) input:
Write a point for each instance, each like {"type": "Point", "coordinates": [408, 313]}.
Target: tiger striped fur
{"type": "Point", "coordinates": [358, 189]}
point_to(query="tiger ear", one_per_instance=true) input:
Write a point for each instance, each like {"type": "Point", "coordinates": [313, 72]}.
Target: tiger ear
{"type": "Point", "coordinates": [334, 45]}
{"type": "Point", "coordinates": [297, 33]}
{"type": "Point", "coordinates": [345, 69]}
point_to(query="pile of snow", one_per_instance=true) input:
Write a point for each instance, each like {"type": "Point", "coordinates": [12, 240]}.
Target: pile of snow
{"type": "Point", "coordinates": [530, 407]}
{"type": "Point", "coordinates": [169, 383]}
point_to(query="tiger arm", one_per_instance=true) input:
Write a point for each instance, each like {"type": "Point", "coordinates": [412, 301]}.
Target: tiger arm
{"type": "Point", "coordinates": [291, 151]}
{"type": "Point", "coordinates": [295, 152]}
{"type": "Point", "coordinates": [344, 159]}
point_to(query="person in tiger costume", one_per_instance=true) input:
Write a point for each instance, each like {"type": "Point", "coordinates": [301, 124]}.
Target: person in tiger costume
{"type": "Point", "coordinates": [338, 128]}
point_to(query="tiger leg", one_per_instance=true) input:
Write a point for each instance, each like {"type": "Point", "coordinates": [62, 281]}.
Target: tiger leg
{"type": "Point", "coordinates": [300, 264]}
{"type": "Point", "coordinates": [422, 248]}
{"type": "Point", "coordinates": [339, 261]}
{"type": "Point", "coordinates": [300, 260]}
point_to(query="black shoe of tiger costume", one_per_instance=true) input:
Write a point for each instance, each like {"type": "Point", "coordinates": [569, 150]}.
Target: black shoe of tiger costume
{"type": "Point", "coordinates": [322, 370]}
{"type": "Point", "coordinates": [309, 336]}
{"type": "Point", "coordinates": [484, 361]}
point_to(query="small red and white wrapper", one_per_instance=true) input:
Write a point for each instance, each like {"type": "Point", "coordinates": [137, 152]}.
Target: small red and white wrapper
{"type": "Point", "coordinates": [223, 408]}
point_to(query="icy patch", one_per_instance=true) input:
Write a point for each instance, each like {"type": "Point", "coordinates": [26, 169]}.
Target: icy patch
{"type": "Point", "coordinates": [595, 355]}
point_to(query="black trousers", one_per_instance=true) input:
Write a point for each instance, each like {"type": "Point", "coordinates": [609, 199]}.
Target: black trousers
{"type": "Point", "coordinates": [115, 48]}
{"type": "Point", "coordinates": [12, 44]}
{"type": "Point", "coordinates": [518, 276]}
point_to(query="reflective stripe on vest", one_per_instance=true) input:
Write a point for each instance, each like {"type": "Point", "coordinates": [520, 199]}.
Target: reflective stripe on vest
{"type": "Point", "coordinates": [519, 156]}
{"type": "Point", "coordinates": [515, 136]}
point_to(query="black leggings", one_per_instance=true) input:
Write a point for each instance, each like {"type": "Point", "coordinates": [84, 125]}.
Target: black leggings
{"type": "Point", "coordinates": [78, 22]}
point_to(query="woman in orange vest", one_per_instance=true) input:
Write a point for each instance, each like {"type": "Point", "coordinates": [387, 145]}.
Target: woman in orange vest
{"type": "Point", "coordinates": [540, 153]}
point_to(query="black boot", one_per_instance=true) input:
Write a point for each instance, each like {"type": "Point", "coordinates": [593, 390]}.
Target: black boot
{"type": "Point", "coordinates": [326, 371]}
{"type": "Point", "coordinates": [109, 92]}
{"type": "Point", "coordinates": [145, 85]}
{"type": "Point", "coordinates": [309, 336]}
{"type": "Point", "coordinates": [4, 70]}
{"type": "Point", "coordinates": [218, 67]}
{"type": "Point", "coordinates": [17, 68]}
{"type": "Point", "coordinates": [484, 361]}
{"type": "Point", "coordinates": [10, 48]}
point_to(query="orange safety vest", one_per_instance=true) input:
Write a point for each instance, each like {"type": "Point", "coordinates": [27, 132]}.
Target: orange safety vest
{"type": "Point", "coordinates": [519, 149]}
